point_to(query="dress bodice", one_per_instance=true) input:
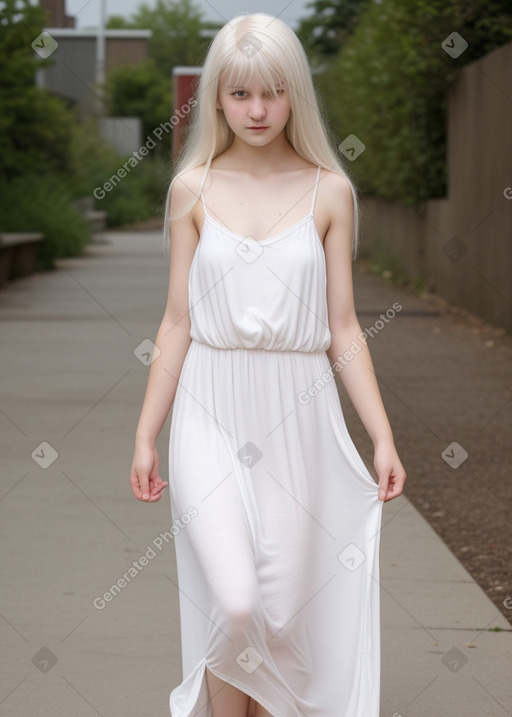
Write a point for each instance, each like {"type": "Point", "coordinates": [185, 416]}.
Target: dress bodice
{"type": "Point", "coordinates": [260, 294]}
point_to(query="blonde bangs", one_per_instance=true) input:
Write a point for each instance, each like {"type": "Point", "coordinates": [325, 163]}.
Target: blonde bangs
{"type": "Point", "coordinates": [252, 56]}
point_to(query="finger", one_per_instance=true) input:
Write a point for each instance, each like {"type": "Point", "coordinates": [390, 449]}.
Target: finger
{"type": "Point", "coordinates": [383, 488]}
{"type": "Point", "coordinates": [144, 487]}
{"type": "Point", "coordinates": [134, 482]}
{"type": "Point", "coordinates": [396, 487]}
{"type": "Point", "coordinates": [153, 484]}
{"type": "Point", "coordinates": [155, 496]}
{"type": "Point", "coordinates": [156, 484]}
{"type": "Point", "coordinates": [157, 490]}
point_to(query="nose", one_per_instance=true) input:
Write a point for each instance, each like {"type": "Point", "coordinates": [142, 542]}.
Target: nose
{"type": "Point", "coordinates": [257, 108]}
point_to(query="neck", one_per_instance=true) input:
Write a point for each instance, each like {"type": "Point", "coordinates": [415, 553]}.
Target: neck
{"type": "Point", "coordinates": [261, 160]}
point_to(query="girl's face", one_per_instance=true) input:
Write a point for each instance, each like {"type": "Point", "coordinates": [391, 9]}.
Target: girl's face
{"type": "Point", "coordinates": [248, 107]}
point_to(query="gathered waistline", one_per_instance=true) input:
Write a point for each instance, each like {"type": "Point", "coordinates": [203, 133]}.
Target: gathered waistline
{"type": "Point", "coordinates": [253, 350]}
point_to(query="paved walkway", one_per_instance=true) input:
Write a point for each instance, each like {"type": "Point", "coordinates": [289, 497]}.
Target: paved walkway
{"type": "Point", "coordinates": [70, 528]}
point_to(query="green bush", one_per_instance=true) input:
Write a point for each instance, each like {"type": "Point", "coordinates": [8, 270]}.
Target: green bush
{"type": "Point", "coordinates": [139, 195]}
{"type": "Point", "coordinates": [43, 203]}
{"type": "Point", "coordinates": [388, 86]}
{"type": "Point", "coordinates": [145, 92]}
{"type": "Point", "coordinates": [390, 81]}
{"type": "Point", "coordinates": [48, 158]}
{"type": "Point", "coordinates": [34, 125]}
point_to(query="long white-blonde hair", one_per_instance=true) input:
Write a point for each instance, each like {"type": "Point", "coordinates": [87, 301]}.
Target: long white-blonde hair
{"type": "Point", "coordinates": [264, 44]}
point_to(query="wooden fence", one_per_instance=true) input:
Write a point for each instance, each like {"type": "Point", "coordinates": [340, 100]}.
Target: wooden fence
{"type": "Point", "coordinates": [462, 244]}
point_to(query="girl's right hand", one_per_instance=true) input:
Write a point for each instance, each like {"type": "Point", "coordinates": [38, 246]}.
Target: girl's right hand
{"type": "Point", "coordinates": [146, 484]}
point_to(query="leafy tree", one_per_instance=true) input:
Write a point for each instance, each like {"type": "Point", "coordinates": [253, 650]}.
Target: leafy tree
{"type": "Point", "coordinates": [141, 91]}
{"type": "Point", "coordinates": [330, 25]}
{"type": "Point", "coordinates": [34, 126]}
{"type": "Point", "coordinates": [486, 24]}
{"type": "Point", "coordinates": [118, 22]}
{"type": "Point", "coordinates": [388, 86]}
{"type": "Point", "coordinates": [176, 26]}
{"type": "Point", "coordinates": [146, 91]}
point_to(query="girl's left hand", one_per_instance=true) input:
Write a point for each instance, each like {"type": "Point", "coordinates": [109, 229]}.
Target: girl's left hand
{"type": "Point", "coordinates": [390, 471]}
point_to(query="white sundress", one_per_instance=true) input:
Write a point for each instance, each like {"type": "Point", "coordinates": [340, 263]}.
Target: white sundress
{"type": "Point", "coordinates": [278, 553]}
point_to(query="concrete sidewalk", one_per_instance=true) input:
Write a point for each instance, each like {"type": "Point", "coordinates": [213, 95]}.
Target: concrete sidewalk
{"type": "Point", "coordinates": [72, 392]}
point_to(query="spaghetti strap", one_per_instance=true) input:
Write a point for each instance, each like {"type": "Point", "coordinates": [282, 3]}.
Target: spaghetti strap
{"type": "Point", "coordinates": [203, 180]}
{"type": "Point", "coordinates": [315, 191]}
{"type": "Point", "coordinates": [204, 203]}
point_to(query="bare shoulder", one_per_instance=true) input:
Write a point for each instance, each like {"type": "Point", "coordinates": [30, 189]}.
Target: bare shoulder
{"type": "Point", "coordinates": [336, 182]}
{"type": "Point", "coordinates": [334, 204]}
{"type": "Point", "coordinates": [185, 191]}
{"type": "Point", "coordinates": [336, 189]}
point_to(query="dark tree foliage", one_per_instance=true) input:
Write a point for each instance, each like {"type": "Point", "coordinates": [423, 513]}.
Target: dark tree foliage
{"type": "Point", "coordinates": [325, 31]}
{"type": "Point", "coordinates": [34, 125]}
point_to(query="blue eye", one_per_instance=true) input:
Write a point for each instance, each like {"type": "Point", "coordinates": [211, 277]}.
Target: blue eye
{"type": "Point", "coordinates": [269, 94]}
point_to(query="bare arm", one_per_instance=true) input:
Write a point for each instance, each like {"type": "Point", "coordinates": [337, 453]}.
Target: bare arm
{"type": "Point", "coordinates": [172, 342]}
{"type": "Point", "coordinates": [357, 373]}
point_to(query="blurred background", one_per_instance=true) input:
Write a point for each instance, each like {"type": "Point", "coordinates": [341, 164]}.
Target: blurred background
{"type": "Point", "coordinates": [416, 94]}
